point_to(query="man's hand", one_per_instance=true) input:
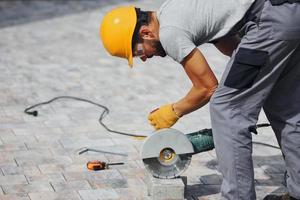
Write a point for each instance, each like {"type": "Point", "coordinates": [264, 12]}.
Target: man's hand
{"type": "Point", "coordinates": [163, 117]}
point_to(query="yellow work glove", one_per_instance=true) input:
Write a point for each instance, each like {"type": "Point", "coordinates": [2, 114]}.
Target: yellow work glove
{"type": "Point", "coordinates": [163, 117]}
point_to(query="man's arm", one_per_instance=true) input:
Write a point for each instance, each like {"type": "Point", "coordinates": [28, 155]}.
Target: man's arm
{"type": "Point", "coordinates": [228, 44]}
{"type": "Point", "coordinates": [203, 80]}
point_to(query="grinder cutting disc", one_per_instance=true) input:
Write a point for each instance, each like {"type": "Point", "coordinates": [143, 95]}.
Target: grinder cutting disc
{"type": "Point", "coordinates": [167, 153]}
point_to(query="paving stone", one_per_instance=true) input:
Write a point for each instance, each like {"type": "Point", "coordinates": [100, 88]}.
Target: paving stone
{"type": "Point", "coordinates": [16, 139]}
{"type": "Point", "coordinates": [53, 178]}
{"type": "Point", "coordinates": [38, 131]}
{"type": "Point", "coordinates": [131, 193]}
{"type": "Point", "coordinates": [14, 197]}
{"type": "Point", "coordinates": [212, 179]}
{"type": "Point", "coordinates": [64, 195]}
{"type": "Point", "coordinates": [42, 145]}
{"type": "Point", "coordinates": [203, 192]}
{"type": "Point", "coordinates": [71, 185]}
{"type": "Point", "coordinates": [160, 189]}
{"type": "Point", "coordinates": [98, 194]}
{"type": "Point", "coordinates": [12, 180]}
{"type": "Point", "coordinates": [18, 170]}
{"type": "Point", "coordinates": [129, 173]}
{"type": "Point", "coordinates": [79, 142]}
{"type": "Point", "coordinates": [66, 167]}
{"type": "Point", "coordinates": [109, 183]}
{"type": "Point", "coordinates": [261, 192]}
{"type": "Point", "coordinates": [37, 159]}
{"type": "Point", "coordinates": [27, 188]}
{"type": "Point", "coordinates": [274, 169]}
{"type": "Point", "coordinates": [93, 176]}
{"type": "Point", "coordinates": [15, 146]}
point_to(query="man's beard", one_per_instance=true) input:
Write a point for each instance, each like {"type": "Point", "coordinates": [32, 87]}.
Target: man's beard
{"type": "Point", "coordinates": [156, 44]}
{"type": "Point", "coordinates": [160, 50]}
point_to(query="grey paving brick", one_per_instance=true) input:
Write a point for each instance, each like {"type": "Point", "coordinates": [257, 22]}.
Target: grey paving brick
{"type": "Point", "coordinates": [42, 145]}
{"type": "Point", "coordinates": [18, 170]}
{"type": "Point", "coordinates": [12, 180]}
{"type": "Point", "coordinates": [15, 146]}
{"type": "Point", "coordinates": [56, 177]}
{"type": "Point", "coordinates": [109, 183]}
{"type": "Point", "coordinates": [274, 169]}
{"type": "Point", "coordinates": [14, 197]}
{"type": "Point", "coordinates": [160, 189]}
{"type": "Point", "coordinates": [64, 195]}
{"type": "Point", "coordinates": [37, 159]}
{"type": "Point", "coordinates": [129, 173]}
{"type": "Point", "coordinates": [203, 192]}
{"type": "Point", "coordinates": [66, 167]}
{"type": "Point", "coordinates": [211, 179]}
{"type": "Point", "coordinates": [38, 131]}
{"type": "Point", "coordinates": [131, 193]}
{"type": "Point", "coordinates": [79, 142]}
{"type": "Point", "coordinates": [98, 194]}
{"type": "Point", "coordinates": [27, 188]}
{"type": "Point", "coordinates": [11, 120]}
{"type": "Point", "coordinates": [2, 113]}
{"type": "Point", "coordinates": [93, 176]}
{"type": "Point", "coordinates": [17, 138]}
{"type": "Point", "coordinates": [71, 185]}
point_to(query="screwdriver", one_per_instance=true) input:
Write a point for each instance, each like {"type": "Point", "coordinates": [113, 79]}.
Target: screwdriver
{"type": "Point", "coordinates": [96, 165]}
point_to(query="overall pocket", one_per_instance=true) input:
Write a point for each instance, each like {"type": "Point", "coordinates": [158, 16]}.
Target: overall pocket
{"type": "Point", "coordinates": [245, 68]}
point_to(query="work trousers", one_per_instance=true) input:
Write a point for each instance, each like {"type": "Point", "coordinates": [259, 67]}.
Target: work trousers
{"type": "Point", "coordinates": [263, 72]}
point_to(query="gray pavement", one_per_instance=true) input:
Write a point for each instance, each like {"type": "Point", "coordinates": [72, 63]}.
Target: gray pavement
{"type": "Point", "coordinates": [54, 49]}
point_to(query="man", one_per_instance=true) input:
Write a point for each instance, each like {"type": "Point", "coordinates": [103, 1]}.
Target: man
{"type": "Point", "coordinates": [264, 71]}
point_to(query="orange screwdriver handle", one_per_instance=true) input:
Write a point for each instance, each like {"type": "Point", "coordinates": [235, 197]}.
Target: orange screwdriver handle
{"type": "Point", "coordinates": [96, 165]}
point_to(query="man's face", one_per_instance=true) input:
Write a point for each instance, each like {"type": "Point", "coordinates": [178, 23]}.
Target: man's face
{"type": "Point", "coordinates": [148, 48]}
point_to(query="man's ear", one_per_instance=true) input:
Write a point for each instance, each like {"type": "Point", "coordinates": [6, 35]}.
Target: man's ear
{"type": "Point", "coordinates": [145, 32]}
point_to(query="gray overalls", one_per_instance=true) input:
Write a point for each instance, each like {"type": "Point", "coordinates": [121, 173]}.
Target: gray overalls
{"type": "Point", "coordinates": [263, 72]}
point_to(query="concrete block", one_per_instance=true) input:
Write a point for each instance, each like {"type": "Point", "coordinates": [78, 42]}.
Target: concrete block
{"type": "Point", "coordinates": [64, 195]}
{"type": "Point", "coordinates": [162, 189]}
{"type": "Point", "coordinates": [14, 197]}
{"type": "Point", "coordinates": [53, 178]}
{"type": "Point", "coordinates": [27, 188]}
{"type": "Point", "coordinates": [12, 180]}
{"type": "Point", "coordinates": [18, 170]}
{"type": "Point", "coordinates": [98, 194]}
{"type": "Point", "coordinates": [71, 185]}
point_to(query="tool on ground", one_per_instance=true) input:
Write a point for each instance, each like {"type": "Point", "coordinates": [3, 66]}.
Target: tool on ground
{"type": "Point", "coordinates": [168, 152]}
{"type": "Point", "coordinates": [96, 165]}
{"type": "Point", "coordinates": [85, 149]}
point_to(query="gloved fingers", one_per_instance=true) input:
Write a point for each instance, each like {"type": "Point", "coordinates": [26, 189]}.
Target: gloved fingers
{"type": "Point", "coordinates": [157, 127]}
{"type": "Point", "coordinates": [152, 123]}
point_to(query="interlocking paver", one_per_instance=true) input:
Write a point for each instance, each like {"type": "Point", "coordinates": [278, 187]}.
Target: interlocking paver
{"type": "Point", "coordinates": [18, 170]}
{"type": "Point", "coordinates": [98, 194]}
{"type": "Point", "coordinates": [71, 185]}
{"type": "Point", "coordinates": [27, 188]}
{"type": "Point", "coordinates": [92, 176]}
{"type": "Point", "coordinates": [12, 180]}
{"type": "Point", "coordinates": [57, 177]}
{"type": "Point", "coordinates": [55, 50]}
{"type": "Point", "coordinates": [14, 197]}
{"type": "Point", "coordinates": [64, 195]}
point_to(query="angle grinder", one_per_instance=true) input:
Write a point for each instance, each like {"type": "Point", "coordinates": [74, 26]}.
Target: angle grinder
{"type": "Point", "coordinates": [168, 152]}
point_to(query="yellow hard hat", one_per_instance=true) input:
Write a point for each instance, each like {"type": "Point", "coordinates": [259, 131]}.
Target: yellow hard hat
{"type": "Point", "coordinates": [117, 30]}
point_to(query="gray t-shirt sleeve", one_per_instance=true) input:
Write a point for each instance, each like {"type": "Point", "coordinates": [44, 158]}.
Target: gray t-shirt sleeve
{"type": "Point", "coordinates": [176, 42]}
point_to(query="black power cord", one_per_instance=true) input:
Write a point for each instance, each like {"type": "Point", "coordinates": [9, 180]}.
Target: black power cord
{"type": "Point", "coordinates": [106, 111]}
{"type": "Point", "coordinates": [102, 115]}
